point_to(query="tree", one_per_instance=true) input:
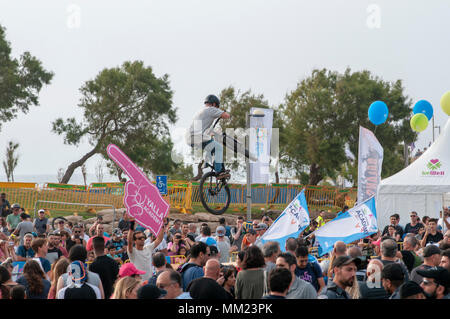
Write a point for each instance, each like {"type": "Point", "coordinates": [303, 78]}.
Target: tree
{"type": "Point", "coordinates": [84, 173]}
{"type": "Point", "coordinates": [238, 104]}
{"type": "Point", "coordinates": [21, 80]}
{"type": "Point", "coordinates": [99, 171]}
{"type": "Point", "coordinates": [322, 118]}
{"type": "Point", "coordinates": [10, 163]}
{"type": "Point", "coordinates": [311, 118]}
{"type": "Point", "coordinates": [130, 107]}
{"type": "Point", "coordinates": [355, 92]}
{"type": "Point", "coordinates": [60, 174]}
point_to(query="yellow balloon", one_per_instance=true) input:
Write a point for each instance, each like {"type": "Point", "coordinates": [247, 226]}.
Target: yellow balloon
{"type": "Point", "coordinates": [419, 122]}
{"type": "Point", "coordinates": [445, 102]}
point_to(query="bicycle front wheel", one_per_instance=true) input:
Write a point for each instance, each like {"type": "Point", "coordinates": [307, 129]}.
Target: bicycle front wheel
{"type": "Point", "coordinates": [214, 194]}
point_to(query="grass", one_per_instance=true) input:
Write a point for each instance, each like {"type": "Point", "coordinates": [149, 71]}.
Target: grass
{"type": "Point", "coordinates": [63, 213]}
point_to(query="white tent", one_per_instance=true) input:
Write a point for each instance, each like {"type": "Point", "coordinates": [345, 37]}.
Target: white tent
{"type": "Point", "coordinates": [420, 187]}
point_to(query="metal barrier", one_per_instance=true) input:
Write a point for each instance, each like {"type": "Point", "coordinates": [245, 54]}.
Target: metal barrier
{"type": "Point", "coordinates": [177, 259]}
{"type": "Point", "coordinates": [318, 197]}
{"type": "Point", "coordinates": [181, 195]}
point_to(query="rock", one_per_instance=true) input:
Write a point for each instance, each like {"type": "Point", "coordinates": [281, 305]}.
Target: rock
{"type": "Point", "coordinates": [230, 220]}
{"type": "Point", "coordinates": [206, 217]}
{"type": "Point", "coordinates": [74, 219]}
{"type": "Point", "coordinates": [212, 225]}
{"type": "Point", "coordinates": [184, 217]}
{"type": "Point", "coordinates": [90, 220]}
{"type": "Point", "coordinates": [108, 218]}
{"type": "Point", "coordinates": [108, 228]}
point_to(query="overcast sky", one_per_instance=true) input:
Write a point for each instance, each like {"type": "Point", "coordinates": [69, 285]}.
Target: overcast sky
{"type": "Point", "coordinates": [207, 45]}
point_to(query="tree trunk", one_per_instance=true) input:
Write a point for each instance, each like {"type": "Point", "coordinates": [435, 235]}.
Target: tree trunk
{"type": "Point", "coordinates": [314, 176]}
{"type": "Point", "coordinates": [119, 174]}
{"type": "Point", "coordinates": [72, 167]}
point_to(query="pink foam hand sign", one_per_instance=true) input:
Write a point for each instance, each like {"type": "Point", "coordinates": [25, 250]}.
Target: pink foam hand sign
{"type": "Point", "coordinates": [142, 199]}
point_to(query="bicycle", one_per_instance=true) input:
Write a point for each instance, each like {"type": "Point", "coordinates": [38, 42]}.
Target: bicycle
{"type": "Point", "coordinates": [215, 190]}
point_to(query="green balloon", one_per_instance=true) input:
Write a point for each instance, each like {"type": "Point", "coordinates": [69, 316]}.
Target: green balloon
{"type": "Point", "coordinates": [445, 103]}
{"type": "Point", "coordinates": [419, 122]}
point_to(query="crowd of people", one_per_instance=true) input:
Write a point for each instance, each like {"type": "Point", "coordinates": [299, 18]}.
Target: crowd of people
{"type": "Point", "coordinates": [184, 262]}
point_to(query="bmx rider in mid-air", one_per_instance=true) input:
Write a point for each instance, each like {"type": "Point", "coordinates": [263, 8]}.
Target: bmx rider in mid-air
{"type": "Point", "coordinates": [196, 137]}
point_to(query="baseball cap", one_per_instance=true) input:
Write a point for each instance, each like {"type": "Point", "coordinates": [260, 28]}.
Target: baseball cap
{"type": "Point", "coordinates": [345, 260]}
{"type": "Point", "coordinates": [439, 274]}
{"type": "Point", "coordinates": [41, 211]}
{"type": "Point", "coordinates": [393, 272]}
{"type": "Point", "coordinates": [220, 231]}
{"type": "Point", "coordinates": [377, 243]}
{"type": "Point", "coordinates": [252, 232]}
{"type": "Point", "coordinates": [261, 226]}
{"type": "Point", "coordinates": [431, 250]}
{"type": "Point", "coordinates": [15, 205]}
{"type": "Point", "coordinates": [129, 269]}
{"type": "Point", "coordinates": [150, 292]}
{"type": "Point", "coordinates": [410, 288]}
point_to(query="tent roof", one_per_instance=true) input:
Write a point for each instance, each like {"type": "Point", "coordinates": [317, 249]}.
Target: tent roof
{"type": "Point", "coordinates": [430, 173]}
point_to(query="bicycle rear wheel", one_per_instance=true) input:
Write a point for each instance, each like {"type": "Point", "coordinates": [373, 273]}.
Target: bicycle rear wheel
{"type": "Point", "coordinates": [214, 194]}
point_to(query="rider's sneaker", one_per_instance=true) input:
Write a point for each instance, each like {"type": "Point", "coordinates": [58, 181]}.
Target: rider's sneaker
{"type": "Point", "coordinates": [223, 174]}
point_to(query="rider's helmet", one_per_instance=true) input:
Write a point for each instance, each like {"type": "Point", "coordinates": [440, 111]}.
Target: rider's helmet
{"type": "Point", "coordinates": [212, 99]}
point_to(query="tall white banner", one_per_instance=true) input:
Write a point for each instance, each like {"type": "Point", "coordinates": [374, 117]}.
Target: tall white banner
{"type": "Point", "coordinates": [260, 137]}
{"type": "Point", "coordinates": [370, 161]}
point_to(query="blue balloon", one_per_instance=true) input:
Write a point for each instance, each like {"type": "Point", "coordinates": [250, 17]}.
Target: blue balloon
{"type": "Point", "coordinates": [378, 112]}
{"type": "Point", "coordinates": [425, 107]}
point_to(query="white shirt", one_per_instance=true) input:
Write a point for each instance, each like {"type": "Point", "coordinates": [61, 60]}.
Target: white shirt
{"type": "Point", "coordinates": [202, 121]}
{"type": "Point", "coordinates": [161, 246]}
{"type": "Point", "coordinates": [142, 259]}
{"type": "Point", "coordinates": [442, 224]}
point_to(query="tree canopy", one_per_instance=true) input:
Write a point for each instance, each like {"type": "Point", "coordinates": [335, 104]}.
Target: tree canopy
{"type": "Point", "coordinates": [130, 107]}
{"type": "Point", "coordinates": [21, 80]}
{"type": "Point", "coordinates": [322, 118]}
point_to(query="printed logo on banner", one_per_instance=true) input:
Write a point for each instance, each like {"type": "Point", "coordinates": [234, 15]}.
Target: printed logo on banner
{"type": "Point", "coordinates": [298, 214]}
{"type": "Point", "coordinates": [434, 168]}
{"type": "Point", "coordinates": [142, 199]}
{"type": "Point", "coordinates": [370, 161]}
{"type": "Point", "coordinates": [366, 221]}
{"type": "Point", "coordinates": [292, 220]}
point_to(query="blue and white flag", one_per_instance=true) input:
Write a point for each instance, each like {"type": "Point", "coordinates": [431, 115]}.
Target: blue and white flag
{"type": "Point", "coordinates": [292, 221]}
{"type": "Point", "coordinates": [358, 222]}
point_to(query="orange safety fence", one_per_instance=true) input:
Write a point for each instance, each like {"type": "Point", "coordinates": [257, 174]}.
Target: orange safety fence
{"type": "Point", "coordinates": [181, 195]}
